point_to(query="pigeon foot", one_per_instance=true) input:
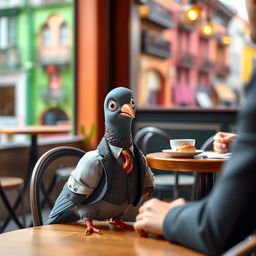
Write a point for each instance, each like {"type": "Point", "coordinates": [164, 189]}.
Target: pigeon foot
{"type": "Point", "coordinates": [120, 224]}
{"type": "Point", "coordinates": [91, 229]}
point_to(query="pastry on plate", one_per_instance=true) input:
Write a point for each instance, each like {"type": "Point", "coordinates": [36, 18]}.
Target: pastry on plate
{"type": "Point", "coordinates": [186, 148]}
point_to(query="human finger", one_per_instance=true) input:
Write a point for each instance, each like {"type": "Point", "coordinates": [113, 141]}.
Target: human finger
{"type": "Point", "coordinates": [148, 205]}
{"type": "Point", "coordinates": [219, 135]}
{"type": "Point", "coordinates": [231, 137]}
{"type": "Point", "coordinates": [139, 228]}
{"type": "Point", "coordinates": [220, 147]}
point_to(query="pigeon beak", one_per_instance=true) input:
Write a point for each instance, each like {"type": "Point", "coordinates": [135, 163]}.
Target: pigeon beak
{"type": "Point", "coordinates": [127, 110]}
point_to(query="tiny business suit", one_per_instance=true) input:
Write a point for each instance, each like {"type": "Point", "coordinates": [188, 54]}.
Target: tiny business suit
{"type": "Point", "coordinates": [109, 193]}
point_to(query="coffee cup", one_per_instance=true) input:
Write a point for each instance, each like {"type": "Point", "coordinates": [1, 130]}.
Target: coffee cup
{"type": "Point", "coordinates": [177, 143]}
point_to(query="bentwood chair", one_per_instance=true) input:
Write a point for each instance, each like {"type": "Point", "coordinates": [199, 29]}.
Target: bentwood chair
{"type": "Point", "coordinates": [168, 181]}
{"type": "Point", "coordinates": [10, 184]}
{"type": "Point", "coordinates": [61, 174]}
{"type": "Point", "coordinates": [45, 165]}
{"type": "Point", "coordinates": [208, 144]}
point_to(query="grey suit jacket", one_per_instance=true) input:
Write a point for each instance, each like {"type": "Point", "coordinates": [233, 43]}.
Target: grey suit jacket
{"type": "Point", "coordinates": [228, 214]}
{"type": "Point", "coordinates": [68, 199]}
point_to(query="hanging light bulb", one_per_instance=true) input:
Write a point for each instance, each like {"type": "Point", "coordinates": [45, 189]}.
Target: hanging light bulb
{"type": "Point", "coordinates": [192, 13]}
{"type": "Point", "coordinates": [207, 29]}
{"type": "Point", "coordinates": [144, 11]}
{"type": "Point", "coordinates": [226, 40]}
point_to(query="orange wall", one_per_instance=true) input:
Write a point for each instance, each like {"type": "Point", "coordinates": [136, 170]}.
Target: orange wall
{"type": "Point", "coordinates": [91, 77]}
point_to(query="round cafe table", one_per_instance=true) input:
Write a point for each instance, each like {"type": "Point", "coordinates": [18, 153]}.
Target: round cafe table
{"type": "Point", "coordinates": [69, 239]}
{"type": "Point", "coordinates": [34, 131]}
{"type": "Point", "coordinates": [203, 167]}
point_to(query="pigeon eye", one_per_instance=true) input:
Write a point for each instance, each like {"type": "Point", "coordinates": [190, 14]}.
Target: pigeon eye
{"type": "Point", "coordinates": [133, 102]}
{"type": "Point", "coordinates": [112, 105]}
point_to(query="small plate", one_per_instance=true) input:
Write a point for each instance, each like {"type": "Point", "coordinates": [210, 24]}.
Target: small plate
{"type": "Point", "coordinates": [182, 154]}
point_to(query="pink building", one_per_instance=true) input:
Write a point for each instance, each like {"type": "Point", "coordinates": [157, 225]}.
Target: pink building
{"type": "Point", "coordinates": [187, 77]}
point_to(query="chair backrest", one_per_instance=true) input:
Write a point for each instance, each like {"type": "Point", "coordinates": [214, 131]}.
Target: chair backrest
{"type": "Point", "coordinates": [38, 172]}
{"type": "Point", "coordinates": [208, 144]}
{"type": "Point", "coordinates": [142, 137]}
{"type": "Point", "coordinates": [244, 248]}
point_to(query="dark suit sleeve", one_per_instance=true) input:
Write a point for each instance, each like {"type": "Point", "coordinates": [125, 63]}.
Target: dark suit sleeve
{"type": "Point", "coordinates": [228, 214]}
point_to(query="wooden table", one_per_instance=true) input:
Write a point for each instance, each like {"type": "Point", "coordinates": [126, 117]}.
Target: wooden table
{"type": "Point", "coordinates": [204, 168]}
{"type": "Point", "coordinates": [34, 131]}
{"type": "Point", "coordinates": [69, 239]}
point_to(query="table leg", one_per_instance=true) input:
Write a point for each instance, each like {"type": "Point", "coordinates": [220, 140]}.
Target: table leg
{"type": "Point", "coordinates": [204, 184]}
{"type": "Point", "coordinates": [32, 160]}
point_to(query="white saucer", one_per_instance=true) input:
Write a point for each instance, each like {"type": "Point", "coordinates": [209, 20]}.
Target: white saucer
{"type": "Point", "coordinates": [182, 154]}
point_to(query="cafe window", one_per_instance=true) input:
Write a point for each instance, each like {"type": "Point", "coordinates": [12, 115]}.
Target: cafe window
{"type": "Point", "coordinates": [7, 100]}
{"type": "Point", "coordinates": [36, 62]}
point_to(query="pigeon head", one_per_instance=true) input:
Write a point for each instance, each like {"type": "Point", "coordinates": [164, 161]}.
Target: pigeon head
{"type": "Point", "coordinates": [119, 111]}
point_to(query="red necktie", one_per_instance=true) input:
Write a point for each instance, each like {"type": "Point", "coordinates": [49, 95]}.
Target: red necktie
{"type": "Point", "coordinates": [128, 160]}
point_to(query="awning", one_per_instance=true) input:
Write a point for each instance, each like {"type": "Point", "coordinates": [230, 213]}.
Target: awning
{"type": "Point", "coordinates": [224, 93]}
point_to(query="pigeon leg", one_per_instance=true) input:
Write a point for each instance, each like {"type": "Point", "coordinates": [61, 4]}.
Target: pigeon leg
{"type": "Point", "coordinates": [120, 224]}
{"type": "Point", "coordinates": [90, 228]}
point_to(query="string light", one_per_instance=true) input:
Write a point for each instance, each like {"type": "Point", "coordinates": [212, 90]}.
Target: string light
{"type": "Point", "coordinates": [192, 13]}
{"type": "Point", "coordinates": [207, 29]}
{"type": "Point", "coordinates": [226, 40]}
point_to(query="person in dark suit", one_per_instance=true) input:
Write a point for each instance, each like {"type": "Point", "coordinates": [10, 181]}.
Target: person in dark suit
{"type": "Point", "coordinates": [228, 214]}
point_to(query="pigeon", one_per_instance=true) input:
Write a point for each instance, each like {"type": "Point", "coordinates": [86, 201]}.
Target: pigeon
{"type": "Point", "coordinates": [109, 179]}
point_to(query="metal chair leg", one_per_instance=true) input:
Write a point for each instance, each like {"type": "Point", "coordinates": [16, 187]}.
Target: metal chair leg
{"type": "Point", "coordinates": [10, 210]}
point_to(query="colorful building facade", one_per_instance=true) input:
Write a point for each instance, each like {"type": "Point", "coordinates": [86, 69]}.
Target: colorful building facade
{"type": "Point", "coordinates": [37, 62]}
{"type": "Point", "coordinates": [198, 60]}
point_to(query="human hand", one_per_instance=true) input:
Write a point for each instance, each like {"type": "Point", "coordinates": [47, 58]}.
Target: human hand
{"type": "Point", "coordinates": [151, 216]}
{"type": "Point", "coordinates": [223, 141]}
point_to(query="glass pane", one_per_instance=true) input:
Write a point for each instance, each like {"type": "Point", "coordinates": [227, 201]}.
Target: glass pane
{"type": "Point", "coordinates": [64, 35]}
{"type": "Point", "coordinates": [7, 101]}
{"type": "Point", "coordinates": [46, 35]}
{"type": "Point", "coordinates": [36, 59]}
{"type": "Point", "coordinates": [3, 32]}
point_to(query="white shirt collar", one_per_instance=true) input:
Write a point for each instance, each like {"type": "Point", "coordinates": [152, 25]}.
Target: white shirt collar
{"type": "Point", "coordinates": [116, 151]}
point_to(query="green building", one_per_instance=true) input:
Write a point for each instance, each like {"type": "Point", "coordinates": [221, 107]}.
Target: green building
{"type": "Point", "coordinates": [36, 62]}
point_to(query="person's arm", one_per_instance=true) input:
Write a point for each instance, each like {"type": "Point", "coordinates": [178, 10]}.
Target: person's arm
{"type": "Point", "coordinates": [151, 215]}
{"type": "Point", "coordinates": [217, 222]}
{"type": "Point", "coordinates": [223, 141]}
{"type": "Point", "coordinates": [227, 215]}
